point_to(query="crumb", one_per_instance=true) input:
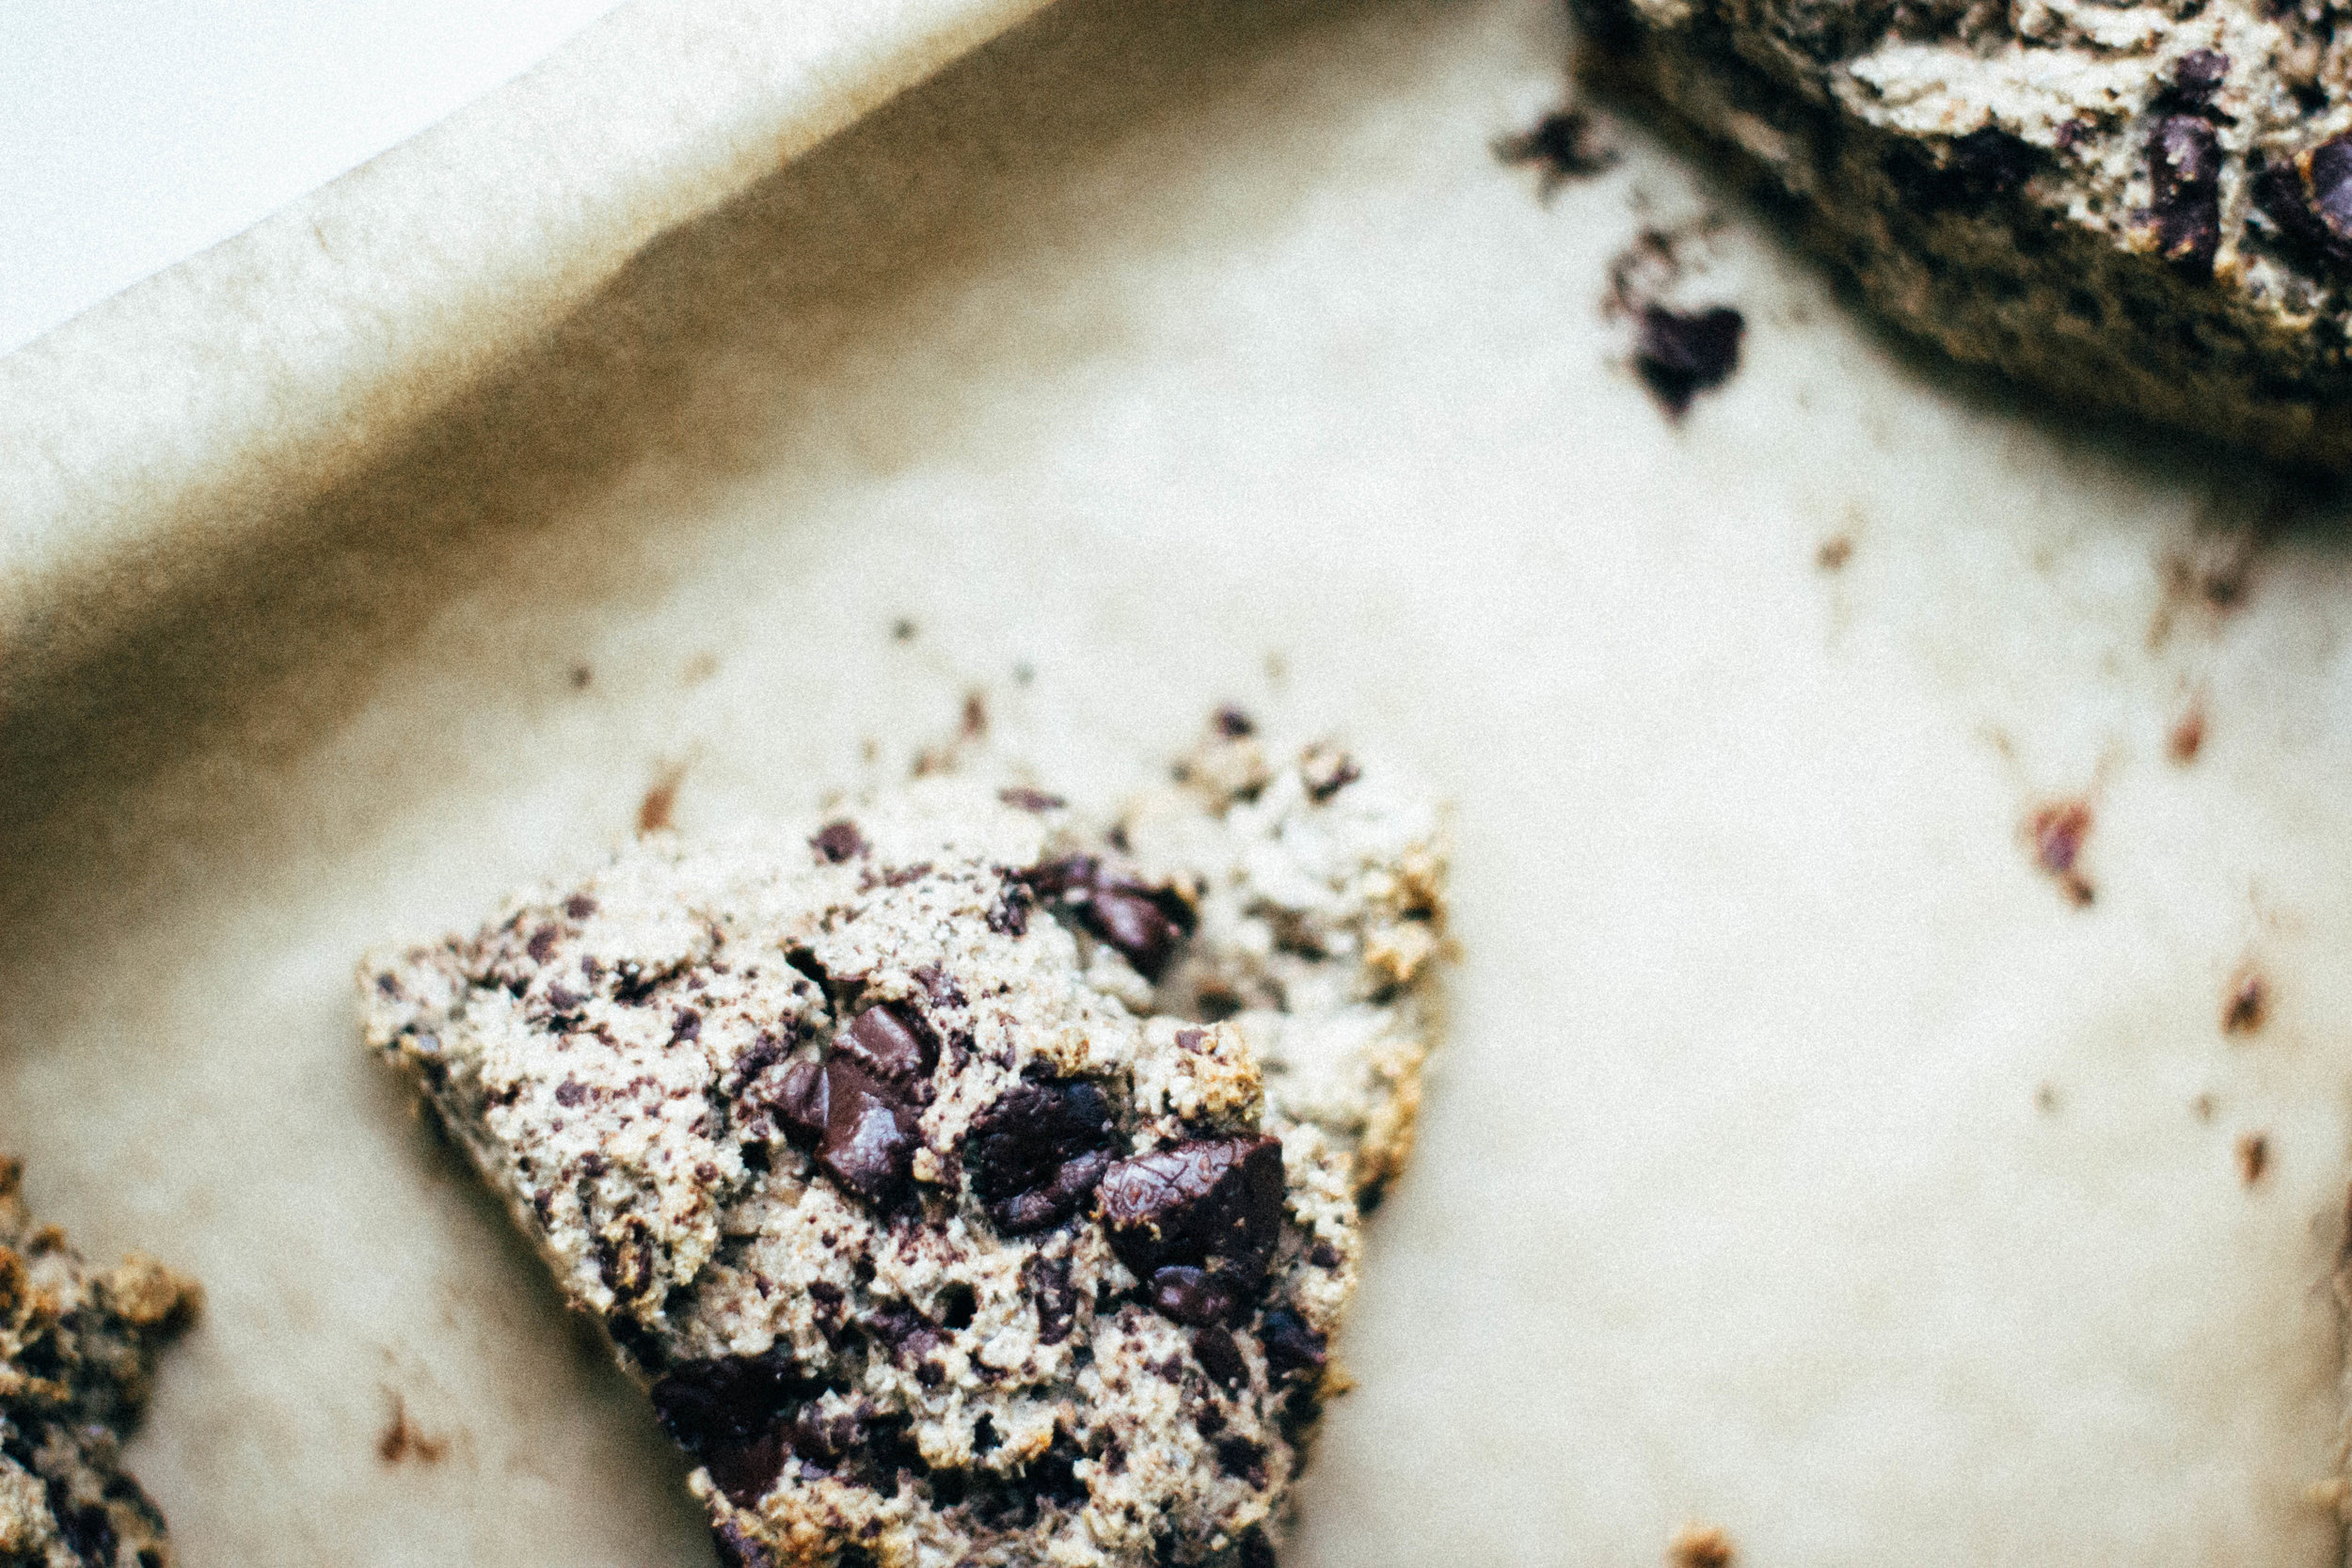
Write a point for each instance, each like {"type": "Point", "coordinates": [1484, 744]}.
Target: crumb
{"type": "Point", "coordinates": [1277, 668]}
{"type": "Point", "coordinates": [2203, 1107]}
{"type": "Point", "coordinates": [700, 668]}
{"type": "Point", "coordinates": [2187, 736]}
{"type": "Point", "coordinates": [401, 1440]}
{"type": "Point", "coordinates": [902, 630]}
{"type": "Point", "coordinates": [2253, 1157]}
{"type": "Point", "coordinates": [2045, 1098]}
{"type": "Point", "coordinates": [2249, 1004]}
{"type": "Point", "coordinates": [1563, 146]}
{"type": "Point", "coordinates": [1700, 1547]}
{"type": "Point", "coordinates": [580, 676]}
{"type": "Point", "coordinates": [2057, 831]}
{"type": "Point", "coordinates": [974, 715]}
{"type": "Point", "coordinates": [654, 811]}
{"type": "Point", "coordinates": [1834, 552]}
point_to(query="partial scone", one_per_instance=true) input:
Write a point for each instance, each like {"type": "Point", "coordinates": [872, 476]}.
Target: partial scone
{"type": "Point", "coordinates": [77, 1350]}
{"type": "Point", "coordinates": [971, 1186]}
{"type": "Point", "coordinates": [2146, 207]}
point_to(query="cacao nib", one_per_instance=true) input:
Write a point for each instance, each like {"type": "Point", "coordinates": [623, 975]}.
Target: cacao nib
{"type": "Point", "coordinates": [1036, 1154]}
{"type": "Point", "coordinates": [1242, 1459]}
{"type": "Point", "coordinates": [1208, 1198]}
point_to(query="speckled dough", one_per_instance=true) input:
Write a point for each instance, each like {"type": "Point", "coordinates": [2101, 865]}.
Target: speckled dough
{"type": "Point", "coordinates": [2146, 207]}
{"type": "Point", "coordinates": [77, 1347]}
{"type": "Point", "coordinates": [970, 1183]}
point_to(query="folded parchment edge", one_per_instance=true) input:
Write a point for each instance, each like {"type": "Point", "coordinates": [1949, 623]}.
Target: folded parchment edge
{"type": "Point", "coordinates": [149, 434]}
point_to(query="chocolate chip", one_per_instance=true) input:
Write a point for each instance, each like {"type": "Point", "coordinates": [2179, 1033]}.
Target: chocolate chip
{"type": "Point", "coordinates": [882, 1041]}
{"type": "Point", "coordinates": [1242, 1459]}
{"type": "Point", "coordinates": [2185, 185]}
{"type": "Point", "coordinates": [869, 1146]}
{"type": "Point", "coordinates": [1209, 1199]}
{"type": "Point", "coordinates": [1232, 723]}
{"type": "Point", "coordinates": [686, 1025]}
{"type": "Point", "coordinates": [1192, 1295]}
{"type": "Point", "coordinates": [1324, 1255]}
{"type": "Point", "coordinates": [940, 987]}
{"type": "Point", "coordinates": [1256, 1550]}
{"type": "Point", "coordinates": [838, 841]}
{"type": "Point", "coordinates": [737, 1549]}
{"type": "Point", "coordinates": [570, 1092]}
{"type": "Point", "coordinates": [1048, 1283]}
{"type": "Point", "coordinates": [2277, 187]}
{"type": "Point", "coordinates": [1036, 1154]}
{"type": "Point", "coordinates": [1143, 923]}
{"type": "Point", "coordinates": [1290, 1346]}
{"type": "Point", "coordinates": [542, 944]}
{"type": "Point", "coordinates": [1680, 355]}
{"type": "Point", "coordinates": [1212, 1346]}
{"type": "Point", "coordinates": [1030, 799]}
{"type": "Point", "coordinates": [800, 1104]}
{"type": "Point", "coordinates": [580, 906]}
{"type": "Point", "coordinates": [1561, 145]}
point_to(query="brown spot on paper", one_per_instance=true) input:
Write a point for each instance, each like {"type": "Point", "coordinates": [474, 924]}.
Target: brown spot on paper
{"type": "Point", "coordinates": [2247, 1005]}
{"type": "Point", "coordinates": [402, 1440]}
{"type": "Point", "coordinates": [1700, 1547]}
{"type": "Point", "coordinates": [654, 811]}
{"type": "Point", "coordinates": [2056, 832]}
{"type": "Point", "coordinates": [2253, 1157]}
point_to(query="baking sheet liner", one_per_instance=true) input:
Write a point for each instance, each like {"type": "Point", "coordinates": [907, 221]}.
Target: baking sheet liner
{"type": "Point", "coordinates": [1806, 1158]}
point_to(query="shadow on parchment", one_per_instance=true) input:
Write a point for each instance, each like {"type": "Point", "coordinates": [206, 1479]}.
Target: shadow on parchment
{"type": "Point", "coordinates": [707, 341]}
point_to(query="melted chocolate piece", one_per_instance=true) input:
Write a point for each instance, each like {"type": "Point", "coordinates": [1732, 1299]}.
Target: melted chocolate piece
{"type": "Point", "coordinates": [2185, 183]}
{"type": "Point", "coordinates": [838, 841]}
{"type": "Point", "coordinates": [800, 1103]}
{"type": "Point", "coordinates": [882, 1041]}
{"type": "Point", "coordinates": [1036, 1154]}
{"type": "Point", "coordinates": [1680, 355]}
{"type": "Point", "coordinates": [1212, 1202]}
{"type": "Point", "coordinates": [1192, 1295]}
{"type": "Point", "coordinates": [734, 1414]}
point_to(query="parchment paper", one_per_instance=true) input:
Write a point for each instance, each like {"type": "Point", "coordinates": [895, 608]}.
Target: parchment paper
{"type": "Point", "coordinates": [1804, 1161]}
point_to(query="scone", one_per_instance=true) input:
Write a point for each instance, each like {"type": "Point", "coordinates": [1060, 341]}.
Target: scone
{"type": "Point", "coordinates": [77, 1351]}
{"type": "Point", "coordinates": [970, 1184]}
{"type": "Point", "coordinates": [2139, 207]}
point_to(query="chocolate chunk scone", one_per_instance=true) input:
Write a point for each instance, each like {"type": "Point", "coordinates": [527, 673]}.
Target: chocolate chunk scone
{"type": "Point", "coordinates": [969, 1184]}
{"type": "Point", "coordinates": [2146, 207]}
{"type": "Point", "coordinates": [77, 1351]}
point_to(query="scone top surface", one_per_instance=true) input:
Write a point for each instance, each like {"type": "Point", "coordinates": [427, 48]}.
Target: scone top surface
{"type": "Point", "coordinates": [970, 1187]}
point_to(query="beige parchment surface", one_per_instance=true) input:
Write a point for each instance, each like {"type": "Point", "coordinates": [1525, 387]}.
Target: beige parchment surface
{"type": "Point", "coordinates": [1803, 1160]}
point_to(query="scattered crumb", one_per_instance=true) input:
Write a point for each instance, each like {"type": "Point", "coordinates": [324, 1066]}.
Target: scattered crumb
{"type": "Point", "coordinates": [975, 714]}
{"type": "Point", "coordinates": [2203, 1107]}
{"type": "Point", "coordinates": [401, 1440]}
{"type": "Point", "coordinates": [700, 668]}
{"type": "Point", "coordinates": [1834, 552]}
{"type": "Point", "coordinates": [1023, 674]}
{"type": "Point", "coordinates": [2187, 736]}
{"type": "Point", "coordinates": [653, 812]}
{"type": "Point", "coordinates": [1563, 146]}
{"type": "Point", "coordinates": [2211, 573]}
{"type": "Point", "coordinates": [1678, 353]}
{"type": "Point", "coordinates": [2057, 831]}
{"type": "Point", "coordinates": [870, 749]}
{"type": "Point", "coordinates": [580, 676]}
{"type": "Point", "coordinates": [902, 630]}
{"type": "Point", "coordinates": [1700, 1547]}
{"type": "Point", "coordinates": [1232, 723]}
{"type": "Point", "coordinates": [2045, 1098]}
{"type": "Point", "coordinates": [2253, 1157]}
{"type": "Point", "coordinates": [2248, 1006]}
{"type": "Point", "coordinates": [1277, 668]}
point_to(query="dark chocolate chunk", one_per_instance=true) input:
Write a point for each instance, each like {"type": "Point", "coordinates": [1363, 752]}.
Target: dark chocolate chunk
{"type": "Point", "coordinates": [882, 1041]}
{"type": "Point", "coordinates": [869, 1146]}
{"type": "Point", "coordinates": [1679, 355]}
{"type": "Point", "coordinates": [2328, 170]}
{"type": "Point", "coordinates": [1143, 923]}
{"type": "Point", "coordinates": [1037, 1154]}
{"type": "Point", "coordinates": [542, 944]}
{"type": "Point", "coordinates": [686, 1025]}
{"type": "Point", "coordinates": [87, 1532]}
{"type": "Point", "coordinates": [1290, 1346]}
{"type": "Point", "coordinates": [1256, 1550]}
{"type": "Point", "coordinates": [800, 1104]}
{"type": "Point", "coordinates": [1215, 1202]}
{"type": "Point", "coordinates": [570, 1092]}
{"type": "Point", "coordinates": [580, 906]}
{"type": "Point", "coordinates": [2195, 77]}
{"type": "Point", "coordinates": [1978, 167]}
{"type": "Point", "coordinates": [1232, 723]}
{"type": "Point", "coordinates": [1212, 1346]}
{"type": "Point", "coordinates": [1242, 1459]}
{"type": "Point", "coordinates": [733, 1413]}
{"type": "Point", "coordinates": [838, 841]}
{"type": "Point", "coordinates": [2185, 191]}
{"type": "Point", "coordinates": [1193, 1295]}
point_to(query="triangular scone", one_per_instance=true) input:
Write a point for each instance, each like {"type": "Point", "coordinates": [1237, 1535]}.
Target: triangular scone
{"type": "Point", "coordinates": [970, 1184]}
{"type": "Point", "coordinates": [77, 1351]}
